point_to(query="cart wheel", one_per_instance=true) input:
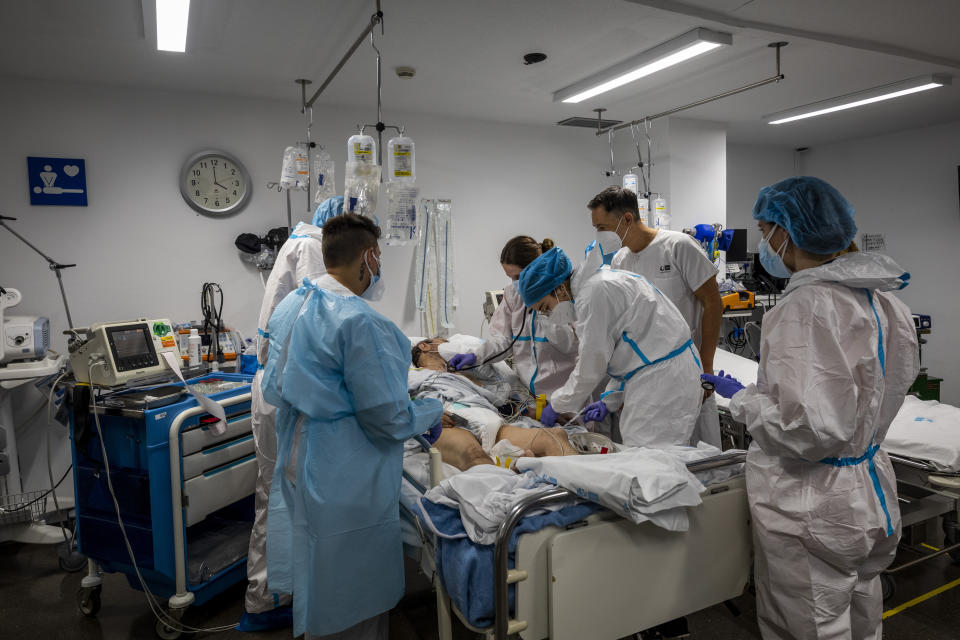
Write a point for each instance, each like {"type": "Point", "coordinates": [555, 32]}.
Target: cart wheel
{"type": "Point", "coordinates": [88, 601]}
{"type": "Point", "coordinates": [167, 632]}
{"type": "Point", "coordinates": [888, 584]}
{"type": "Point", "coordinates": [69, 559]}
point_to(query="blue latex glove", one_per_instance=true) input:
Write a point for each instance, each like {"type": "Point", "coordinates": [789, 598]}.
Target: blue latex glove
{"type": "Point", "coordinates": [724, 384]}
{"type": "Point", "coordinates": [463, 360]}
{"type": "Point", "coordinates": [433, 434]}
{"type": "Point", "coordinates": [548, 416]}
{"type": "Point", "coordinates": [595, 412]}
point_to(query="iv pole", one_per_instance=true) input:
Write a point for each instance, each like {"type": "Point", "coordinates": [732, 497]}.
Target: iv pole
{"type": "Point", "coordinates": [55, 266]}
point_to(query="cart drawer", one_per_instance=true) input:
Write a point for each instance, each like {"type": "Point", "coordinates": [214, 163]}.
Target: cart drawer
{"type": "Point", "coordinates": [219, 487]}
{"type": "Point", "coordinates": [216, 456]}
{"type": "Point", "coordinates": [199, 438]}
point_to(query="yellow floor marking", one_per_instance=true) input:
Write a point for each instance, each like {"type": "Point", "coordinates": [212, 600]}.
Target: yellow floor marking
{"type": "Point", "coordinates": [918, 600]}
{"type": "Point", "coordinates": [924, 544]}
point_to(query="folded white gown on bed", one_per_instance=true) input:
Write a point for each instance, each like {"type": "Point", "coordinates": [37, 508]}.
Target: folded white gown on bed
{"type": "Point", "coordinates": [926, 430]}
{"type": "Point", "coordinates": [640, 484]}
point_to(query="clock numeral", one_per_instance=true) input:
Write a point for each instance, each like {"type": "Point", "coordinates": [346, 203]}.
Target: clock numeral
{"type": "Point", "coordinates": [216, 203]}
{"type": "Point", "coordinates": [203, 165]}
{"type": "Point", "coordinates": [234, 192]}
{"type": "Point", "coordinates": [205, 200]}
{"type": "Point", "coordinates": [198, 192]}
{"type": "Point", "coordinates": [226, 164]}
{"type": "Point", "coordinates": [193, 183]}
{"type": "Point", "coordinates": [214, 162]}
{"type": "Point", "coordinates": [196, 172]}
{"type": "Point", "coordinates": [227, 200]}
{"type": "Point", "coordinates": [236, 183]}
{"type": "Point", "coordinates": [233, 172]}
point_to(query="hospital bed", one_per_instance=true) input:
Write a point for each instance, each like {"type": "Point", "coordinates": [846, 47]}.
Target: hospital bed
{"type": "Point", "coordinates": [923, 444]}
{"type": "Point", "coordinates": [599, 576]}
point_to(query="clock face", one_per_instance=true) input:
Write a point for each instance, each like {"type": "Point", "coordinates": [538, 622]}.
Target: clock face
{"type": "Point", "coordinates": [215, 183]}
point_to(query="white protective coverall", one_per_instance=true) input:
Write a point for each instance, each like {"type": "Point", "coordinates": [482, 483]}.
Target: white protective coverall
{"type": "Point", "coordinates": [633, 333]}
{"type": "Point", "coordinates": [837, 355]}
{"type": "Point", "coordinates": [299, 257]}
{"type": "Point", "coordinates": [545, 353]}
{"type": "Point", "coordinates": [676, 264]}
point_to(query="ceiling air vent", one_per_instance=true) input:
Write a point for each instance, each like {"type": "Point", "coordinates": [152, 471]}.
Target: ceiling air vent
{"type": "Point", "coordinates": [590, 123]}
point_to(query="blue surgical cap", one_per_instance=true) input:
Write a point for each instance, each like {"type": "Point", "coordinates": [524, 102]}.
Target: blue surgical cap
{"type": "Point", "coordinates": [329, 208]}
{"type": "Point", "coordinates": [543, 275]}
{"type": "Point", "coordinates": [817, 217]}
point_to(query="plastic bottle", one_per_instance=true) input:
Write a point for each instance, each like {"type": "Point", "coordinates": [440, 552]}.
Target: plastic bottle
{"type": "Point", "coordinates": [643, 208]}
{"type": "Point", "coordinates": [401, 161]}
{"type": "Point", "coordinates": [194, 347]}
{"type": "Point", "coordinates": [630, 182]}
{"type": "Point", "coordinates": [362, 149]}
{"type": "Point", "coordinates": [661, 214]}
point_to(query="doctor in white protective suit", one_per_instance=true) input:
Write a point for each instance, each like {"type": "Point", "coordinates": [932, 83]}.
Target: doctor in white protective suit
{"type": "Point", "coordinates": [544, 352]}
{"type": "Point", "coordinates": [837, 355]}
{"type": "Point", "coordinates": [628, 331]}
{"type": "Point", "coordinates": [300, 257]}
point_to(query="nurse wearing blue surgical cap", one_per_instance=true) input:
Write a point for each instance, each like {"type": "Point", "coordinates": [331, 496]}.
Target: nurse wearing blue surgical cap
{"type": "Point", "coordinates": [628, 331]}
{"type": "Point", "coordinates": [837, 355]}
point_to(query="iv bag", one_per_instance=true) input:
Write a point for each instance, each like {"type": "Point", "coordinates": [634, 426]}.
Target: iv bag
{"type": "Point", "coordinates": [661, 215]}
{"type": "Point", "coordinates": [323, 176]}
{"type": "Point", "coordinates": [434, 289]}
{"type": "Point", "coordinates": [362, 149]}
{"type": "Point", "coordinates": [401, 162]}
{"type": "Point", "coordinates": [401, 226]}
{"type": "Point", "coordinates": [643, 208]}
{"type": "Point", "coordinates": [630, 182]}
{"type": "Point", "coordinates": [361, 188]}
{"type": "Point", "coordinates": [295, 172]}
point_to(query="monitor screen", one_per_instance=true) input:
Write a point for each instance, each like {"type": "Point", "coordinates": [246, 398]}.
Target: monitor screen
{"type": "Point", "coordinates": [131, 342]}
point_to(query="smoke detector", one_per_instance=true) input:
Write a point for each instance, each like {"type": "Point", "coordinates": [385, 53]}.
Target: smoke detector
{"type": "Point", "coordinates": [406, 72]}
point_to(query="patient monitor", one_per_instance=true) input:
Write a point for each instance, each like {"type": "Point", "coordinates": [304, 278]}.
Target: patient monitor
{"type": "Point", "coordinates": [491, 300]}
{"type": "Point", "coordinates": [128, 350]}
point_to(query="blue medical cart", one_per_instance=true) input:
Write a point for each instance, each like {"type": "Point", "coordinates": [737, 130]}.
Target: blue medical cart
{"type": "Point", "coordinates": [185, 494]}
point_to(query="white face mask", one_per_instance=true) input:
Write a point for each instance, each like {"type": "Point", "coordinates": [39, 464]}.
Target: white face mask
{"type": "Point", "coordinates": [609, 242]}
{"type": "Point", "coordinates": [564, 313]}
{"type": "Point", "coordinates": [375, 289]}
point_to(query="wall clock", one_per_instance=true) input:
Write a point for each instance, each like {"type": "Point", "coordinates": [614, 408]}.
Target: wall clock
{"type": "Point", "coordinates": [215, 183]}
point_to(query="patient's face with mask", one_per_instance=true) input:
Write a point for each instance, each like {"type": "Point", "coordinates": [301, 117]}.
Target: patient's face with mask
{"type": "Point", "coordinates": [425, 355]}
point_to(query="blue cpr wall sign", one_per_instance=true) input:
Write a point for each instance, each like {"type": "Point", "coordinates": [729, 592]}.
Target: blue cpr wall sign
{"type": "Point", "coordinates": [57, 181]}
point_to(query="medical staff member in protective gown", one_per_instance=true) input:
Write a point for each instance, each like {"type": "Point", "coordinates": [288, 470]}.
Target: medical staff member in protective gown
{"type": "Point", "coordinates": [300, 257]}
{"type": "Point", "coordinates": [629, 331]}
{"type": "Point", "coordinates": [544, 352]}
{"type": "Point", "coordinates": [337, 373]}
{"type": "Point", "coordinates": [837, 356]}
{"type": "Point", "coordinates": [677, 266]}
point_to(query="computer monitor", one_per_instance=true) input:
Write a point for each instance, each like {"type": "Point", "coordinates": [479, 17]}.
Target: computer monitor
{"type": "Point", "coordinates": [737, 251]}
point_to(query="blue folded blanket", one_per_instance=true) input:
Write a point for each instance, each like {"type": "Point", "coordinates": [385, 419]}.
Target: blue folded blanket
{"type": "Point", "coordinates": [466, 568]}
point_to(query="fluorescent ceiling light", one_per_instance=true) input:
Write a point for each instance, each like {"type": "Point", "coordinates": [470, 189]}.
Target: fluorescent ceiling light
{"type": "Point", "coordinates": [860, 98]}
{"type": "Point", "coordinates": [689, 45]}
{"type": "Point", "coordinates": [172, 18]}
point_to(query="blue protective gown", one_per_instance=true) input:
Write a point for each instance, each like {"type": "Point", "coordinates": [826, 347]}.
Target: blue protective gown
{"type": "Point", "coordinates": [337, 373]}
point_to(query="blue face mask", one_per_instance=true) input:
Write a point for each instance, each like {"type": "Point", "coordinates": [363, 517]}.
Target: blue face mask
{"type": "Point", "coordinates": [773, 261]}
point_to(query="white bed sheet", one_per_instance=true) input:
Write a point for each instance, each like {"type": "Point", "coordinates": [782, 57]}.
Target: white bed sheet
{"type": "Point", "coordinates": [743, 369]}
{"type": "Point", "coordinates": [926, 430]}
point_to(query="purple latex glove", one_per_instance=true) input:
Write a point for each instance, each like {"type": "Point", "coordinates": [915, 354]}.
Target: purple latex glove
{"type": "Point", "coordinates": [724, 384]}
{"type": "Point", "coordinates": [595, 412]}
{"type": "Point", "coordinates": [548, 416]}
{"type": "Point", "coordinates": [433, 434]}
{"type": "Point", "coordinates": [462, 361]}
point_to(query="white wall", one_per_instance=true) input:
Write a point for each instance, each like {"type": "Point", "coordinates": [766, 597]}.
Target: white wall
{"type": "Point", "coordinates": [141, 252]}
{"type": "Point", "coordinates": [904, 185]}
{"type": "Point", "coordinates": [749, 169]}
{"type": "Point", "coordinates": [698, 173]}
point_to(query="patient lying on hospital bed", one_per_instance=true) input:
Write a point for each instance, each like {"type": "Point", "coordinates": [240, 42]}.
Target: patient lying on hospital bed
{"type": "Point", "coordinates": [472, 423]}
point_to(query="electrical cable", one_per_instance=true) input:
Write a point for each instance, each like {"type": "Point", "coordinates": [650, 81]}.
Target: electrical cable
{"type": "Point", "coordinates": [46, 437]}
{"type": "Point", "coordinates": [155, 608]}
{"type": "Point", "coordinates": [212, 318]}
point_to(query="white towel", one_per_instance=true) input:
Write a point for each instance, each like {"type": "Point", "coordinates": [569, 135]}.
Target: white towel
{"type": "Point", "coordinates": [926, 430]}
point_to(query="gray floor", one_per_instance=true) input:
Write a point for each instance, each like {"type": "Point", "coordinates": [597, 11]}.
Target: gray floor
{"type": "Point", "coordinates": [38, 600]}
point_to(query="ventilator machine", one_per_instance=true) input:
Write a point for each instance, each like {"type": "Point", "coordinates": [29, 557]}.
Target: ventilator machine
{"type": "Point", "coordinates": [491, 300]}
